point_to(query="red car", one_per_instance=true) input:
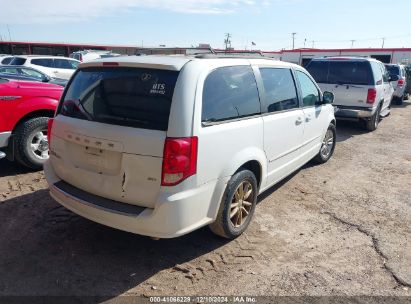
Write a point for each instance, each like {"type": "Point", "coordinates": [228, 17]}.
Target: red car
{"type": "Point", "coordinates": [25, 108]}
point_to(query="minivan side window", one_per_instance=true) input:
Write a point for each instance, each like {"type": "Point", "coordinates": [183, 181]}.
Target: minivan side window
{"type": "Point", "coordinates": [229, 93]}
{"type": "Point", "coordinates": [43, 62]}
{"type": "Point", "coordinates": [309, 91]}
{"type": "Point", "coordinates": [280, 90]}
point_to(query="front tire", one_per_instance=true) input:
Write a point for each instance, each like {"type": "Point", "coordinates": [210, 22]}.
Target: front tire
{"type": "Point", "coordinates": [328, 145]}
{"type": "Point", "coordinates": [30, 142]}
{"type": "Point", "coordinates": [237, 206]}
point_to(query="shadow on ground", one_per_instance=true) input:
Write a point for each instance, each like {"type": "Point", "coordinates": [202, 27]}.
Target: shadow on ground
{"type": "Point", "coordinates": [8, 168]}
{"type": "Point", "coordinates": [48, 250]}
{"type": "Point", "coordinates": [348, 129]}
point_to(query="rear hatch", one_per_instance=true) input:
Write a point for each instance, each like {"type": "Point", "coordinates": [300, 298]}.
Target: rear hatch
{"type": "Point", "coordinates": [109, 132]}
{"type": "Point", "coordinates": [349, 80]}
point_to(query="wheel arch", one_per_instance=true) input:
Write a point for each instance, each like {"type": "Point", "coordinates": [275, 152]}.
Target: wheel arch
{"type": "Point", "coordinates": [38, 113]}
{"type": "Point", "coordinates": [255, 167]}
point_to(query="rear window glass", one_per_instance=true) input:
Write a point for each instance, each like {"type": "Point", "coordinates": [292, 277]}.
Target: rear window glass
{"type": "Point", "coordinates": [18, 61]}
{"type": "Point", "coordinates": [393, 69]}
{"type": "Point", "coordinates": [319, 70]}
{"type": "Point", "coordinates": [138, 98]}
{"type": "Point", "coordinates": [342, 72]}
{"type": "Point", "coordinates": [229, 93]}
{"type": "Point", "coordinates": [6, 60]}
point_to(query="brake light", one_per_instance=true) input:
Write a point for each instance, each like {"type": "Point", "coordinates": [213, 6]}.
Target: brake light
{"type": "Point", "coordinates": [49, 127]}
{"type": "Point", "coordinates": [179, 161]}
{"type": "Point", "coordinates": [371, 96]}
{"type": "Point", "coordinates": [401, 82]}
{"type": "Point", "coordinates": [110, 64]}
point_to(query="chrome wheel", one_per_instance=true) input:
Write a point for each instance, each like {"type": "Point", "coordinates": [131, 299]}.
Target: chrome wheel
{"type": "Point", "coordinates": [39, 146]}
{"type": "Point", "coordinates": [328, 144]}
{"type": "Point", "coordinates": [241, 204]}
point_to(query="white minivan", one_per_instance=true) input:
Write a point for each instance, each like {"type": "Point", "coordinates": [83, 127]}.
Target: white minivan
{"type": "Point", "coordinates": [163, 145]}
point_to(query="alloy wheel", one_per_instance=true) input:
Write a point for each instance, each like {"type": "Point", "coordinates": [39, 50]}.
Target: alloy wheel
{"type": "Point", "coordinates": [241, 204]}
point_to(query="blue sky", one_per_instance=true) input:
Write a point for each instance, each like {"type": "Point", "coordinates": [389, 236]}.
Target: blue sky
{"type": "Point", "coordinates": [268, 23]}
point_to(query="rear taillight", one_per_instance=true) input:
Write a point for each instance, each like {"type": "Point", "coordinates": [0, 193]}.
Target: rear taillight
{"type": "Point", "coordinates": [401, 82]}
{"type": "Point", "coordinates": [371, 96]}
{"type": "Point", "coordinates": [179, 160]}
{"type": "Point", "coordinates": [110, 64]}
{"type": "Point", "coordinates": [49, 127]}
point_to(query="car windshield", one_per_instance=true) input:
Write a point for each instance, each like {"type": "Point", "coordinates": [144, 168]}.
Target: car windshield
{"type": "Point", "coordinates": [123, 96]}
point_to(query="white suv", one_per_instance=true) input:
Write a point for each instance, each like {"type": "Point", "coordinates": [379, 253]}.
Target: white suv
{"type": "Point", "coordinates": [161, 146]}
{"type": "Point", "coordinates": [53, 66]}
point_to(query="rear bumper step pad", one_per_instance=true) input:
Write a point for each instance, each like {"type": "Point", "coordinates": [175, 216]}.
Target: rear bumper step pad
{"type": "Point", "coordinates": [98, 201]}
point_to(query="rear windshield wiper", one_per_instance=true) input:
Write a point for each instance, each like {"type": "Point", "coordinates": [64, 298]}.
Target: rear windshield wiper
{"type": "Point", "coordinates": [124, 119]}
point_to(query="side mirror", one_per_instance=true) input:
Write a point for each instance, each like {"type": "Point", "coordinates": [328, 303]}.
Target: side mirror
{"type": "Point", "coordinates": [328, 97]}
{"type": "Point", "coordinates": [393, 78]}
{"type": "Point", "coordinates": [45, 78]}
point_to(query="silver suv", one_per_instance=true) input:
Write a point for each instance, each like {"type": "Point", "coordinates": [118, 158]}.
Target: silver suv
{"type": "Point", "coordinates": [361, 87]}
{"type": "Point", "coordinates": [399, 81]}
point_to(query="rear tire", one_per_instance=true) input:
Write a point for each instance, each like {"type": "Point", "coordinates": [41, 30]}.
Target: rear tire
{"type": "Point", "coordinates": [30, 143]}
{"type": "Point", "coordinates": [328, 145]}
{"type": "Point", "coordinates": [400, 100]}
{"type": "Point", "coordinates": [237, 205]}
{"type": "Point", "coordinates": [372, 124]}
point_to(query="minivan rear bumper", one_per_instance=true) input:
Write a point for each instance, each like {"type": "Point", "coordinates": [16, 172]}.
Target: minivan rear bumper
{"type": "Point", "coordinates": [175, 214]}
{"type": "Point", "coordinates": [354, 113]}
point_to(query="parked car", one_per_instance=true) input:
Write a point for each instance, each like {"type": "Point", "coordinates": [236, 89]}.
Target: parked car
{"type": "Point", "coordinates": [163, 145]}
{"type": "Point", "coordinates": [89, 55]}
{"type": "Point", "coordinates": [53, 66]}
{"type": "Point", "coordinates": [361, 86]}
{"type": "Point", "coordinates": [29, 74]}
{"type": "Point", "coordinates": [25, 107]}
{"type": "Point", "coordinates": [5, 59]}
{"type": "Point", "coordinates": [398, 71]}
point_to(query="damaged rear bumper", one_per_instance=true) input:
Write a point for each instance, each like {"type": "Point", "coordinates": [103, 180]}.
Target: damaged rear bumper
{"type": "Point", "coordinates": [175, 214]}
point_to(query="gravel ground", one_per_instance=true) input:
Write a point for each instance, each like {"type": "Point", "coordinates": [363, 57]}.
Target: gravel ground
{"type": "Point", "coordinates": [343, 228]}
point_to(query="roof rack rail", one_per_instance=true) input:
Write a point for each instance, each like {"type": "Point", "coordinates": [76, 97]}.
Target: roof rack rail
{"type": "Point", "coordinates": [231, 56]}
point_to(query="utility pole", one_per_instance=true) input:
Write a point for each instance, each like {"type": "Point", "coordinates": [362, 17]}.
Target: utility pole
{"type": "Point", "coordinates": [352, 43]}
{"type": "Point", "coordinates": [305, 41]}
{"type": "Point", "coordinates": [293, 39]}
{"type": "Point", "coordinates": [8, 29]}
{"type": "Point", "coordinates": [383, 42]}
{"type": "Point", "coordinates": [227, 41]}
{"type": "Point", "coordinates": [313, 42]}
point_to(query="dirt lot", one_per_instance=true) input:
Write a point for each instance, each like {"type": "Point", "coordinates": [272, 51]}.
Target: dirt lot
{"type": "Point", "coordinates": [343, 228]}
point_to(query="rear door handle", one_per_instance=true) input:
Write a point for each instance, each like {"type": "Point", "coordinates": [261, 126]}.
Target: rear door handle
{"type": "Point", "coordinates": [299, 121]}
